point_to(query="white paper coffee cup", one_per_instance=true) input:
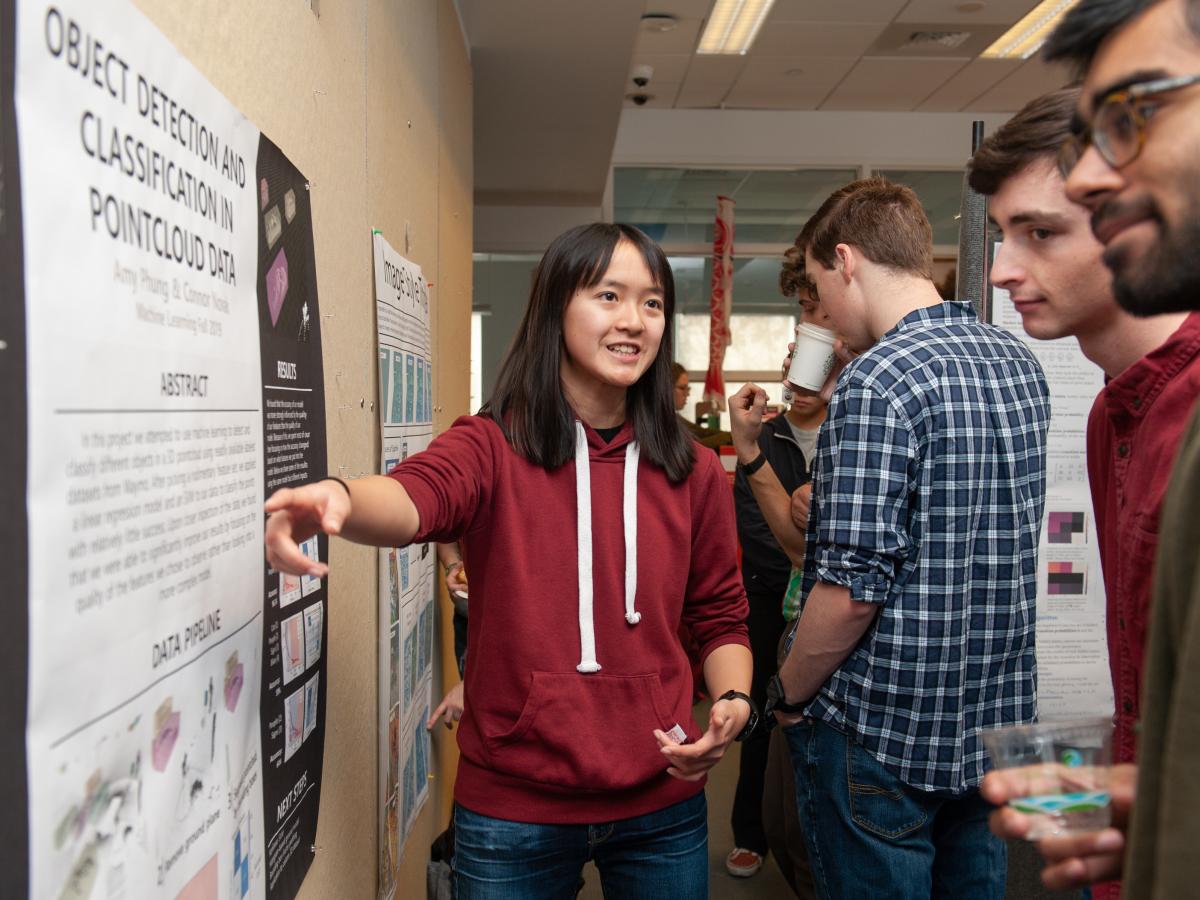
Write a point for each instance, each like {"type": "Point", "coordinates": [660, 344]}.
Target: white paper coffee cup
{"type": "Point", "coordinates": [812, 360]}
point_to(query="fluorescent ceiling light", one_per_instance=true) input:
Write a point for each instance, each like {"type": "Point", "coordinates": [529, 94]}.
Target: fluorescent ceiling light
{"type": "Point", "coordinates": [733, 26]}
{"type": "Point", "coordinates": [1026, 37]}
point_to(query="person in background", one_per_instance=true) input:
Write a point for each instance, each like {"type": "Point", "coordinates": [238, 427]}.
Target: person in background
{"type": "Point", "coordinates": [920, 577]}
{"type": "Point", "coordinates": [450, 559]}
{"type": "Point", "coordinates": [707, 437]}
{"type": "Point", "coordinates": [772, 506]}
{"type": "Point", "coordinates": [1050, 264]}
{"type": "Point", "coordinates": [593, 527]}
{"type": "Point", "coordinates": [450, 710]}
{"type": "Point", "coordinates": [1133, 159]}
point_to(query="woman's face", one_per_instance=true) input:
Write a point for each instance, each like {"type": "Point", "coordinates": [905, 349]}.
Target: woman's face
{"type": "Point", "coordinates": [612, 330]}
{"type": "Point", "coordinates": [681, 391]}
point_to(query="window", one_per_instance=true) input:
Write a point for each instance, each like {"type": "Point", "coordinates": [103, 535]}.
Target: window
{"type": "Point", "coordinates": [755, 353]}
{"type": "Point", "coordinates": [940, 193]}
{"type": "Point", "coordinates": [677, 206]}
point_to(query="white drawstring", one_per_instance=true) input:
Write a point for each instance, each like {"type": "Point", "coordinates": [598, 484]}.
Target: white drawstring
{"type": "Point", "coordinates": [632, 616]}
{"type": "Point", "coordinates": [583, 508]}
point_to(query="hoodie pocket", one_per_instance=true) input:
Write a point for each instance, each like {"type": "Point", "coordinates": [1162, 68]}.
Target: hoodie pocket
{"type": "Point", "coordinates": [586, 732]}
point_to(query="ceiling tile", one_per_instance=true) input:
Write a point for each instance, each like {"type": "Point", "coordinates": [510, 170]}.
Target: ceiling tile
{"type": "Point", "coordinates": [722, 70]}
{"type": "Point", "coordinates": [915, 40]}
{"type": "Point", "coordinates": [841, 11]}
{"type": "Point", "coordinates": [975, 79]}
{"type": "Point", "coordinates": [1032, 79]}
{"type": "Point", "coordinates": [994, 12]}
{"type": "Point", "coordinates": [681, 39]}
{"type": "Point", "coordinates": [667, 67]}
{"type": "Point", "coordinates": [816, 39]}
{"type": "Point", "coordinates": [891, 84]}
{"type": "Point", "coordinates": [763, 84]}
{"type": "Point", "coordinates": [681, 9]}
{"type": "Point", "coordinates": [696, 95]}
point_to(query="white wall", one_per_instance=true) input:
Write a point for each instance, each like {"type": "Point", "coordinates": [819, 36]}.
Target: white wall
{"type": "Point", "coordinates": [528, 229]}
{"type": "Point", "coordinates": [767, 139]}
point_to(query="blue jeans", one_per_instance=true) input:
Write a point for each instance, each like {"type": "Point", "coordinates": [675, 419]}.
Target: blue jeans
{"type": "Point", "coordinates": [662, 854]}
{"type": "Point", "coordinates": [871, 835]}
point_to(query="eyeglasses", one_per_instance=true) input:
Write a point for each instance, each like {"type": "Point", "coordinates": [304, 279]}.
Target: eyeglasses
{"type": "Point", "coordinates": [1118, 126]}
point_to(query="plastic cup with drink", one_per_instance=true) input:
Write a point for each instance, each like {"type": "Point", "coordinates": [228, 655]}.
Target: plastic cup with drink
{"type": "Point", "coordinates": [1062, 770]}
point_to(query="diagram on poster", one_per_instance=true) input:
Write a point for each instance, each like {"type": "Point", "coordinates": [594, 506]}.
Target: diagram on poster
{"type": "Point", "coordinates": [406, 574]}
{"type": "Point", "coordinates": [173, 379]}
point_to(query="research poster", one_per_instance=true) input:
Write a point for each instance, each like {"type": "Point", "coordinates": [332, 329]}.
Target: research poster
{"type": "Point", "coordinates": [406, 574]}
{"type": "Point", "coordinates": [172, 380]}
{"type": "Point", "coordinates": [1072, 645]}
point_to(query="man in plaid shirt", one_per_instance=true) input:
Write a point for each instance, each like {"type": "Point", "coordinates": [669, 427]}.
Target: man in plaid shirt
{"type": "Point", "coordinates": [917, 630]}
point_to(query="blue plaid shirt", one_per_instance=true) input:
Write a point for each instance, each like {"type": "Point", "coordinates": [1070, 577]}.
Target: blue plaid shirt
{"type": "Point", "coordinates": [929, 488]}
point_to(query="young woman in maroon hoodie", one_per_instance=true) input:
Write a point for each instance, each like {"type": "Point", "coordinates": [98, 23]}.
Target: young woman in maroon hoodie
{"type": "Point", "coordinates": [592, 529]}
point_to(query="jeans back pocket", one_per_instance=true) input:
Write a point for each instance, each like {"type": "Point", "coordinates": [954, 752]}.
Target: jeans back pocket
{"type": "Point", "coordinates": [879, 801]}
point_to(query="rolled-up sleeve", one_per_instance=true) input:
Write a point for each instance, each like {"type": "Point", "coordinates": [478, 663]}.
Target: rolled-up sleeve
{"type": "Point", "coordinates": [866, 482]}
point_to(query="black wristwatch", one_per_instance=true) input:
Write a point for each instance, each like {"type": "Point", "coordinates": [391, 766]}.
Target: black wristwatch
{"type": "Point", "coordinates": [750, 468]}
{"type": "Point", "coordinates": [777, 702]}
{"type": "Point", "coordinates": [752, 722]}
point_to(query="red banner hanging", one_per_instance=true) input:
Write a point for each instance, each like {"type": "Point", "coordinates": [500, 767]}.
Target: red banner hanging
{"type": "Point", "coordinates": [721, 305]}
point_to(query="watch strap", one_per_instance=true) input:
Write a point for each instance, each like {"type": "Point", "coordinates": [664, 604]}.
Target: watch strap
{"type": "Point", "coordinates": [778, 701]}
{"type": "Point", "coordinates": [752, 722]}
{"type": "Point", "coordinates": [749, 469]}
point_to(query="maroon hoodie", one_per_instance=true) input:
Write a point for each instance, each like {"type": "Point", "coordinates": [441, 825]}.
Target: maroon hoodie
{"type": "Point", "coordinates": [568, 675]}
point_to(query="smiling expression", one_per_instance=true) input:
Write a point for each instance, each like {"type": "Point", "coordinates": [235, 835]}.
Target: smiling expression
{"type": "Point", "coordinates": [612, 331]}
{"type": "Point", "coordinates": [1147, 213]}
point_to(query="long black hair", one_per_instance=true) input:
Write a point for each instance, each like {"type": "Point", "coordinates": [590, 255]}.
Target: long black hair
{"type": "Point", "coordinates": [528, 402]}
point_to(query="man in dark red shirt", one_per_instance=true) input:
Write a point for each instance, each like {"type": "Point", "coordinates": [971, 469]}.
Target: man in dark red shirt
{"type": "Point", "coordinates": [1050, 262]}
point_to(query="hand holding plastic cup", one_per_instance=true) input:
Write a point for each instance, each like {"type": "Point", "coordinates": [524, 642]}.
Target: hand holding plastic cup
{"type": "Point", "coordinates": [1062, 772]}
{"type": "Point", "coordinates": [812, 359]}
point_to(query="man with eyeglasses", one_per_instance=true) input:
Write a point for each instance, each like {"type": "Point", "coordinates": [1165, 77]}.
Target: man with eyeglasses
{"type": "Point", "coordinates": [1134, 162]}
{"type": "Point", "coordinates": [1050, 264]}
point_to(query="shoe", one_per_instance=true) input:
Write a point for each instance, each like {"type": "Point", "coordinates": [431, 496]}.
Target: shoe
{"type": "Point", "coordinates": [742, 863]}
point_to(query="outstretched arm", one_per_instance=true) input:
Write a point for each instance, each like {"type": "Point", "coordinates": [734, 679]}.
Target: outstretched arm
{"type": "Point", "coordinates": [371, 510]}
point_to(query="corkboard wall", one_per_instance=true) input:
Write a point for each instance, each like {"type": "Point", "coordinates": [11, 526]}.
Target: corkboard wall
{"type": "Point", "coordinates": [371, 99]}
